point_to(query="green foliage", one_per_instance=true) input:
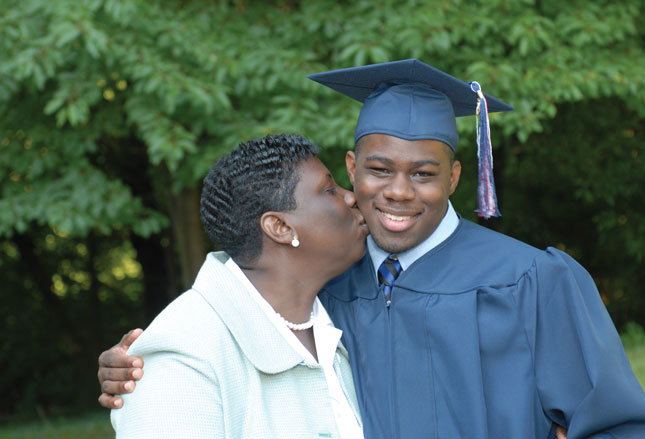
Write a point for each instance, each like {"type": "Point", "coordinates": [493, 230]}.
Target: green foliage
{"type": "Point", "coordinates": [63, 304]}
{"type": "Point", "coordinates": [579, 185]}
{"type": "Point", "coordinates": [192, 79]}
{"type": "Point", "coordinates": [109, 108]}
{"type": "Point", "coordinates": [633, 336]}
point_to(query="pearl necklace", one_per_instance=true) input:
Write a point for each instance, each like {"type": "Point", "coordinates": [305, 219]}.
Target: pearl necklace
{"type": "Point", "coordinates": [297, 326]}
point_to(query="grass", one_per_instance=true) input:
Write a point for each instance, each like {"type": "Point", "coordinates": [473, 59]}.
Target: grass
{"type": "Point", "coordinates": [636, 357]}
{"type": "Point", "coordinates": [97, 425]}
{"type": "Point", "coordinates": [93, 426]}
{"type": "Point", "coordinates": [634, 341]}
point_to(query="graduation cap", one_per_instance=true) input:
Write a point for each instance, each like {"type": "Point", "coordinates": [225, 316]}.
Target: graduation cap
{"type": "Point", "coordinates": [412, 100]}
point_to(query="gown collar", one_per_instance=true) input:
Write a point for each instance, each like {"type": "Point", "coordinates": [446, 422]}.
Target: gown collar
{"type": "Point", "coordinates": [445, 228]}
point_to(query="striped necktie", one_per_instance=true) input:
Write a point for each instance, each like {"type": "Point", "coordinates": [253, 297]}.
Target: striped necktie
{"type": "Point", "coordinates": [387, 274]}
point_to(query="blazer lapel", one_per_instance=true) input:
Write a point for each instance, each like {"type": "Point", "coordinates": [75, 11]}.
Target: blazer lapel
{"type": "Point", "coordinates": [253, 331]}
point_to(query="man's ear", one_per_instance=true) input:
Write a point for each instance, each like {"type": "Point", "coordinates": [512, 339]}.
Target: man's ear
{"type": "Point", "coordinates": [350, 163]}
{"type": "Point", "coordinates": [275, 227]}
{"type": "Point", "coordinates": [455, 173]}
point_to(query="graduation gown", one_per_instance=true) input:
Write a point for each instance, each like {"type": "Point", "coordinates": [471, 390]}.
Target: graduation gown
{"type": "Point", "coordinates": [485, 337]}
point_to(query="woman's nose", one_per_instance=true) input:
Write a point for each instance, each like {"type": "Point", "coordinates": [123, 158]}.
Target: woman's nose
{"type": "Point", "coordinates": [349, 197]}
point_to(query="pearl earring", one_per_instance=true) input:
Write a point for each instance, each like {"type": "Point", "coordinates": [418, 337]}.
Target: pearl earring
{"type": "Point", "coordinates": [294, 242]}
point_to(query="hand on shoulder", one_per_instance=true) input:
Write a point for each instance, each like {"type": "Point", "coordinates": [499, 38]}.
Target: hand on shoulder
{"type": "Point", "coordinates": [118, 371]}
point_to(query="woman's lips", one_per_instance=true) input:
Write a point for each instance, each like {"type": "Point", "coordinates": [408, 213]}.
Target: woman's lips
{"type": "Point", "coordinates": [360, 220]}
{"type": "Point", "coordinates": [394, 222]}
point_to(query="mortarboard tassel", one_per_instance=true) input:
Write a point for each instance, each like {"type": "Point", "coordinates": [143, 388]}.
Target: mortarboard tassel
{"type": "Point", "coordinates": [487, 198]}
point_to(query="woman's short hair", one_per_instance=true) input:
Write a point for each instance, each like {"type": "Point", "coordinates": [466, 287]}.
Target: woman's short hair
{"type": "Point", "coordinates": [256, 177]}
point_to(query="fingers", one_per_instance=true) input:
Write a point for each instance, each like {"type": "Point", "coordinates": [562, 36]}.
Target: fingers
{"type": "Point", "coordinates": [560, 433]}
{"type": "Point", "coordinates": [119, 374]}
{"type": "Point", "coordinates": [116, 357]}
{"type": "Point", "coordinates": [112, 388]}
{"type": "Point", "coordinates": [130, 337]}
{"type": "Point", "coordinates": [118, 371]}
{"type": "Point", "coordinates": [110, 402]}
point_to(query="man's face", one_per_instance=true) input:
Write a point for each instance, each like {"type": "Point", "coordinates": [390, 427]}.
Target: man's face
{"type": "Point", "coordinates": [402, 188]}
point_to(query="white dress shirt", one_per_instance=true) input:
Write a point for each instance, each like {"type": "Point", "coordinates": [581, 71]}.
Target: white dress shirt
{"type": "Point", "coordinates": [326, 337]}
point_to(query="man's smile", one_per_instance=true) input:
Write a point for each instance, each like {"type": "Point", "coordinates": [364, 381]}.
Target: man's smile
{"type": "Point", "coordinates": [396, 222]}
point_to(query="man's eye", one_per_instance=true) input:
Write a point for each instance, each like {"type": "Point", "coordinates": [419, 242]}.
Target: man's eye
{"type": "Point", "coordinates": [332, 190]}
{"type": "Point", "coordinates": [380, 170]}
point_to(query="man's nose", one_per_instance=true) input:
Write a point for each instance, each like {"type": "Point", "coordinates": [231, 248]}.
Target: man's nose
{"type": "Point", "coordinates": [399, 188]}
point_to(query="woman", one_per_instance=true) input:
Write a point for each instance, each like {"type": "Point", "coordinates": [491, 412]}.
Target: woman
{"type": "Point", "coordinates": [249, 351]}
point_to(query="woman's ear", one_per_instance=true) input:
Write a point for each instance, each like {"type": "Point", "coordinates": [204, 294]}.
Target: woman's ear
{"type": "Point", "coordinates": [275, 228]}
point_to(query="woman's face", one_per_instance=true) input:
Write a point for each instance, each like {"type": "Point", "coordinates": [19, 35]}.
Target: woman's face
{"type": "Point", "coordinates": [330, 228]}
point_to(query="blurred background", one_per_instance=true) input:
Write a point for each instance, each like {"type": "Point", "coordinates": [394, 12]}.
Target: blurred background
{"type": "Point", "coordinates": [112, 111]}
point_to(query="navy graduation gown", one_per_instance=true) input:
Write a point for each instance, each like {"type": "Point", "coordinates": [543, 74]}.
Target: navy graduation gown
{"type": "Point", "coordinates": [485, 337]}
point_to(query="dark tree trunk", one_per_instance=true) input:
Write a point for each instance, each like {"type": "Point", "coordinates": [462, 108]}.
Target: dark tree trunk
{"type": "Point", "coordinates": [159, 273]}
{"type": "Point", "coordinates": [94, 302]}
{"type": "Point", "coordinates": [189, 239]}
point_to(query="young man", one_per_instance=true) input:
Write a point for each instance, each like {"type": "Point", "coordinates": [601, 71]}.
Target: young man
{"type": "Point", "coordinates": [455, 331]}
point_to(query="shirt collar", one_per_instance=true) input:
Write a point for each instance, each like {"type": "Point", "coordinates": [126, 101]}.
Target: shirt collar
{"type": "Point", "coordinates": [326, 336]}
{"type": "Point", "coordinates": [446, 227]}
{"type": "Point", "coordinates": [319, 312]}
{"type": "Point", "coordinates": [221, 289]}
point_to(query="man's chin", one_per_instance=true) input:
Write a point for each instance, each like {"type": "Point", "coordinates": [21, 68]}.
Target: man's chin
{"type": "Point", "coordinates": [391, 245]}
